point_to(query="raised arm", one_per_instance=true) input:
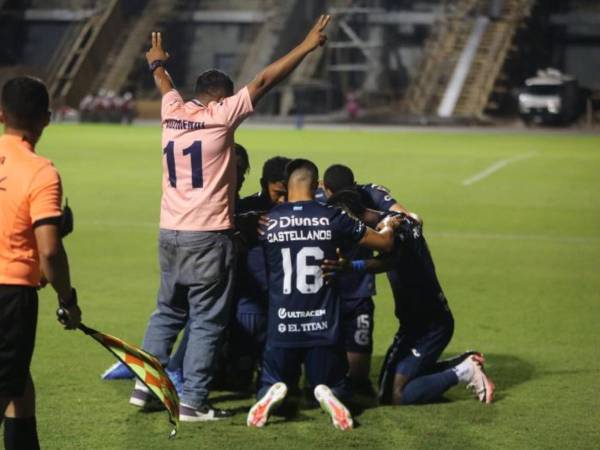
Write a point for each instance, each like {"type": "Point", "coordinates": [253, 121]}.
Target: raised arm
{"type": "Point", "coordinates": [156, 58]}
{"type": "Point", "coordinates": [281, 68]}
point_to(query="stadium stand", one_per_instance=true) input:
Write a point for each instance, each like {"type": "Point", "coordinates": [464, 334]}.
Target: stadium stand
{"type": "Point", "coordinates": [432, 60]}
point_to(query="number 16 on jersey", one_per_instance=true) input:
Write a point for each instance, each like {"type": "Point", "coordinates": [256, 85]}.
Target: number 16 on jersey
{"type": "Point", "coordinates": [309, 278]}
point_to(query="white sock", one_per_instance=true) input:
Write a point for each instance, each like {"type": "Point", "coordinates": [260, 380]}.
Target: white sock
{"type": "Point", "coordinates": [464, 370]}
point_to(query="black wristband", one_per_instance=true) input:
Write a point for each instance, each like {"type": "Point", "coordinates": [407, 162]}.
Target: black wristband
{"type": "Point", "coordinates": [69, 303]}
{"type": "Point", "coordinates": [156, 64]}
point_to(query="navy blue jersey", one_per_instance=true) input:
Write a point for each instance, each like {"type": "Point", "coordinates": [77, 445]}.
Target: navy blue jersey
{"type": "Point", "coordinates": [251, 294]}
{"type": "Point", "coordinates": [418, 297]}
{"type": "Point", "coordinates": [352, 285]}
{"type": "Point", "coordinates": [376, 197]}
{"type": "Point", "coordinates": [303, 310]}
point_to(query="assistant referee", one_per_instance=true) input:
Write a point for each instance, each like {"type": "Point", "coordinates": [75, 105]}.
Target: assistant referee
{"type": "Point", "coordinates": [30, 249]}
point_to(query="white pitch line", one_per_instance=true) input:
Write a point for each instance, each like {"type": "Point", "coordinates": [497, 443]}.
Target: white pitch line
{"type": "Point", "coordinates": [495, 168]}
{"type": "Point", "coordinates": [515, 237]}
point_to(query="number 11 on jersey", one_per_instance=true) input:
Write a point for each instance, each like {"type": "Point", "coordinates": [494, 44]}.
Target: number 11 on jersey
{"type": "Point", "coordinates": [303, 270]}
{"type": "Point", "coordinates": [195, 152]}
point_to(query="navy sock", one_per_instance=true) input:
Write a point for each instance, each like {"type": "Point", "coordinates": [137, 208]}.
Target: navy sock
{"type": "Point", "coordinates": [20, 434]}
{"type": "Point", "coordinates": [428, 388]}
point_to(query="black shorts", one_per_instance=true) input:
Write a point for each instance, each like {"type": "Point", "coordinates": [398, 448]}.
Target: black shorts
{"type": "Point", "coordinates": [357, 324]}
{"type": "Point", "coordinates": [18, 320]}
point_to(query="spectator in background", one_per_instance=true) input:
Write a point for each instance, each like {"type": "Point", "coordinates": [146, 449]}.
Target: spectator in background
{"type": "Point", "coordinates": [352, 106]}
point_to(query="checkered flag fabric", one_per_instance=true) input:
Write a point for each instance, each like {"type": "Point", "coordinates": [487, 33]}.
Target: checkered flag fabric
{"type": "Point", "coordinates": [146, 367]}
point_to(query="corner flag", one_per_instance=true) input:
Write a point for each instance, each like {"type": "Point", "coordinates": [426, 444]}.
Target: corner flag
{"type": "Point", "coordinates": [146, 367]}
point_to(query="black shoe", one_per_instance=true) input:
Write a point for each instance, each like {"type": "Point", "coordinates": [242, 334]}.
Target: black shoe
{"type": "Point", "coordinates": [204, 413]}
{"type": "Point", "coordinates": [146, 400]}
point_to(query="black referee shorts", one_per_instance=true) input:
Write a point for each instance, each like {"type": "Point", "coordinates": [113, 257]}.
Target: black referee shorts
{"type": "Point", "coordinates": [18, 320]}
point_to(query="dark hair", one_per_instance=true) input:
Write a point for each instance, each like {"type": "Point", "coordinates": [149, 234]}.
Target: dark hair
{"type": "Point", "coordinates": [242, 153]}
{"type": "Point", "coordinates": [338, 177]}
{"type": "Point", "coordinates": [305, 164]}
{"type": "Point", "coordinates": [349, 200]}
{"type": "Point", "coordinates": [214, 83]}
{"type": "Point", "coordinates": [273, 170]}
{"type": "Point", "coordinates": [25, 101]}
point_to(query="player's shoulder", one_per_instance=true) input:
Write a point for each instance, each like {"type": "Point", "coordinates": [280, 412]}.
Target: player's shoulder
{"type": "Point", "coordinates": [282, 208]}
{"type": "Point", "coordinates": [333, 212]}
{"type": "Point", "coordinates": [372, 187]}
{"type": "Point", "coordinates": [254, 202]}
{"type": "Point", "coordinates": [32, 163]}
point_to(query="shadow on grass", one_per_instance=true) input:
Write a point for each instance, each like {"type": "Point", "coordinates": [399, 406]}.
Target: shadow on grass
{"type": "Point", "coordinates": [507, 372]}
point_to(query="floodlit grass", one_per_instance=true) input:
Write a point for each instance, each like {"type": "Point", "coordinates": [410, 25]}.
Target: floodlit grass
{"type": "Point", "coordinates": [518, 255]}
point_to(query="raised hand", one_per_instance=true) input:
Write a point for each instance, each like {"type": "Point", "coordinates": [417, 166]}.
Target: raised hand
{"type": "Point", "coordinates": [316, 37]}
{"type": "Point", "coordinates": [156, 52]}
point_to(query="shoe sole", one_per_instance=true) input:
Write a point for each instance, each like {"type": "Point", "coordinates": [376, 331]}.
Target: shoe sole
{"type": "Point", "coordinates": [259, 413]}
{"type": "Point", "coordinates": [137, 402]}
{"type": "Point", "coordinates": [488, 385]}
{"type": "Point", "coordinates": [490, 388]}
{"type": "Point", "coordinates": [340, 416]}
{"type": "Point", "coordinates": [184, 418]}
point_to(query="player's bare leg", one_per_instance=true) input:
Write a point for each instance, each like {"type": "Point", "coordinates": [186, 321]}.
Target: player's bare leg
{"type": "Point", "coordinates": [259, 413]}
{"type": "Point", "coordinates": [359, 368]}
{"type": "Point", "coordinates": [340, 416]}
{"type": "Point", "coordinates": [399, 383]}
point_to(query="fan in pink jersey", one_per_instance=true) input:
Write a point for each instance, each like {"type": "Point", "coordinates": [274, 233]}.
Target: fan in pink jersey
{"type": "Point", "coordinates": [196, 250]}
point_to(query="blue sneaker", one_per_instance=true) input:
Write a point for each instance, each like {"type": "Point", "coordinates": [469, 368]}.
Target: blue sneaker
{"type": "Point", "coordinates": [176, 377]}
{"type": "Point", "coordinates": [118, 371]}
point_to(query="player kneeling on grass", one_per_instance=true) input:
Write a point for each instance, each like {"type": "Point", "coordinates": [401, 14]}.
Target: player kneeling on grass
{"type": "Point", "coordinates": [411, 372]}
{"type": "Point", "coordinates": [248, 324]}
{"type": "Point", "coordinates": [304, 312]}
{"type": "Point", "coordinates": [357, 289]}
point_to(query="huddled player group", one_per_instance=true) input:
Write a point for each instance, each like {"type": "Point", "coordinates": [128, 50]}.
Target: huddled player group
{"type": "Point", "coordinates": [283, 278]}
{"type": "Point", "coordinates": [286, 276]}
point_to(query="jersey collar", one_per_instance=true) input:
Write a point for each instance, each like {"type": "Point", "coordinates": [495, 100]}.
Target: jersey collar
{"type": "Point", "coordinates": [197, 102]}
{"type": "Point", "coordinates": [17, 141]}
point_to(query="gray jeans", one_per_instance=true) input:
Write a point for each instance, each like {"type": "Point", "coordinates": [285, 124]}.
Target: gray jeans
{"type": "Point", "coordinates": [196, 284]}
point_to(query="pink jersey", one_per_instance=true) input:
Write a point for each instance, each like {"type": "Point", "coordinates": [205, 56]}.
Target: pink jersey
{"type": "Point", "coordinates": [199, 170]}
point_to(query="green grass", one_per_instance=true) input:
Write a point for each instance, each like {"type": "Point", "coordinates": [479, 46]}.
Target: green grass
{"type": "Point", "coordinates": [517, 254]}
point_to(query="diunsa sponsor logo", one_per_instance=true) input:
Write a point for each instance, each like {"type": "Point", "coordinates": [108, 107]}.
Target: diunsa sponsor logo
{"type": "Point", "coordinates": [293, 221]}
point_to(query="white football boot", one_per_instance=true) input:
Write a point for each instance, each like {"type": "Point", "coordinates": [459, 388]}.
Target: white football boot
{"type": "Point", "coordinates": [259, 413]}
{"type": "Point", "coordinates": [340, 416]}
{"type": "Point", "coordinates": [480, 383]}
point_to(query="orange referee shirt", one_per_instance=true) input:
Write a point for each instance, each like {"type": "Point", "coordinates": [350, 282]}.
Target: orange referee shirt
{"type": "Point", "coordinates": [30, 191]}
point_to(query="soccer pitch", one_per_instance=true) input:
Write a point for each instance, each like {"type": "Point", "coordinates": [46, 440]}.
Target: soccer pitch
{"type": "Point", "coordinates": [513, 222]}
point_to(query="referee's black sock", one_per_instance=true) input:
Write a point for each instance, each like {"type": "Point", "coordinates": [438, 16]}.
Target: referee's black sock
{"type": "Point", "coordinates": [20, 434]}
